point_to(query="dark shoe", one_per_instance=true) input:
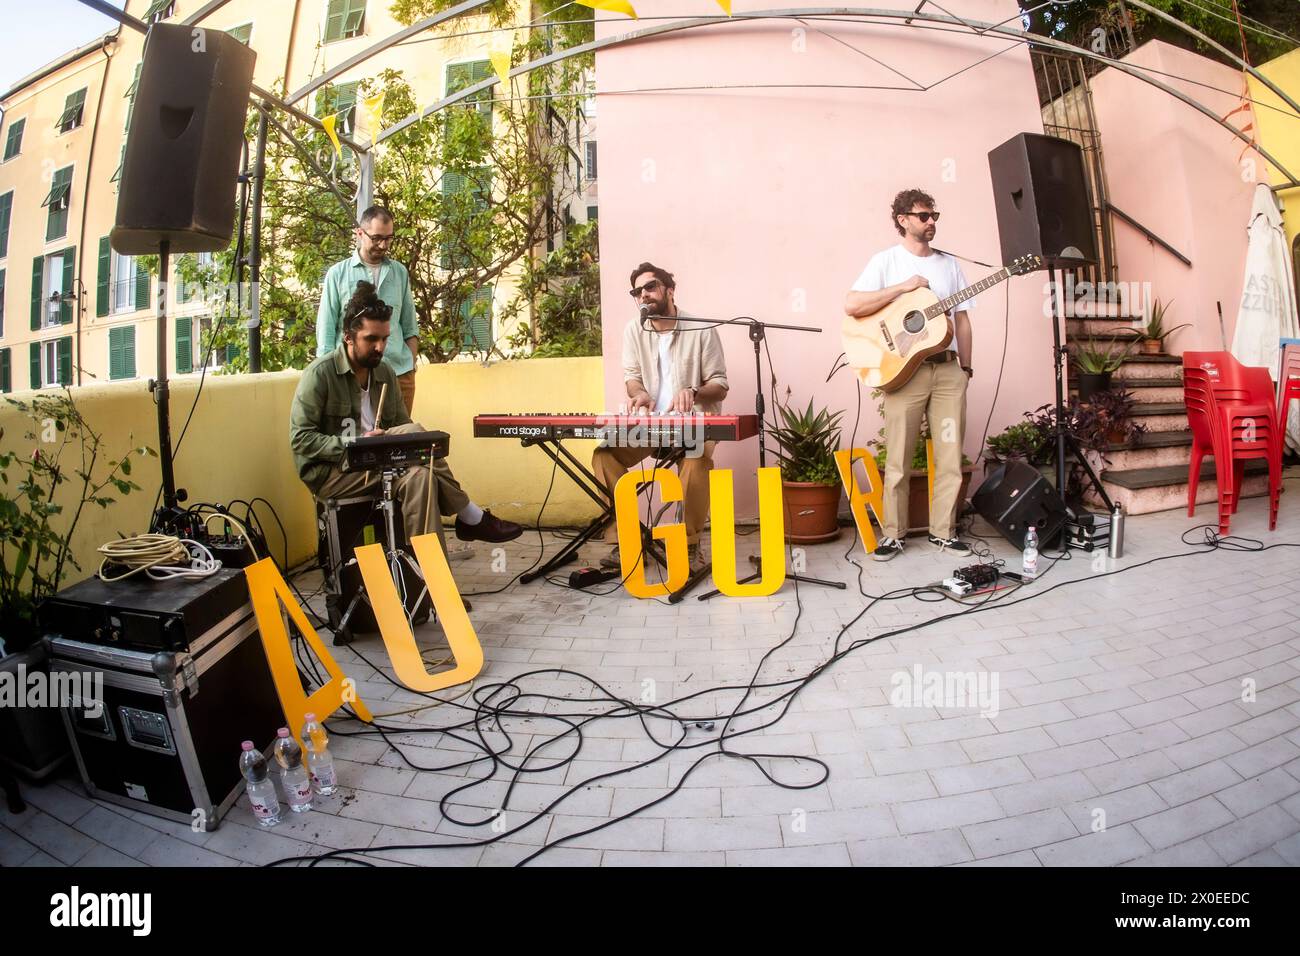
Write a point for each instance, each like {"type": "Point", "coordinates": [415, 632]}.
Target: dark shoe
{"type": "Point", "coordinates": [490, 528]}
{"type": "Point", "coordinates": [611, 561]}
{"type": "Point", "coordinates": [951, 545]}
{"type": "Point", "coordinates": [887, 548]}
{"type": "Point", "coordinates": [695, 559]}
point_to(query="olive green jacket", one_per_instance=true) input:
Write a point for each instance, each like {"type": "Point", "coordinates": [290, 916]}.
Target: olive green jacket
{"type": "Point", "coordinates": [327, 405]}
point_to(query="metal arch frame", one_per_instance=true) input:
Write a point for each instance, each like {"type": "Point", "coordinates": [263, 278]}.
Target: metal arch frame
{"type": "Point", "coordinates": [921, 19]}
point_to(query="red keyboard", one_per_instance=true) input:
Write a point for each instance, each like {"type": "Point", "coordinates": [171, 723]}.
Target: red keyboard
{"type": "Point", "coordinates": [633, 431]}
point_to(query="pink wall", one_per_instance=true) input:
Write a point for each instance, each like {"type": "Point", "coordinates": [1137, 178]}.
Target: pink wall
{"type": "Point", "coordinates": [1179, 174]}
{"type": "Point", "coordinates": [768, 202]}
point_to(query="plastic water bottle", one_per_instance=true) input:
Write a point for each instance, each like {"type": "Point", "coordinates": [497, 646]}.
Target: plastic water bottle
{"type": "Point", "coordinates": [260, 787]}
{"type": "Point", "coordinates": [1029, 569]}
{"type": "Point", "coordinates": [319, 762]}
{"type": "Point", "coordinates": [297, 786]}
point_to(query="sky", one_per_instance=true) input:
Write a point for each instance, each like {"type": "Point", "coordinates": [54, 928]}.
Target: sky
{"type": "Point", "coordinates": [37, 33]}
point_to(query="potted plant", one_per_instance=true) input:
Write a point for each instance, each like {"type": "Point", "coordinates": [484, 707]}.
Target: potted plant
{"type": "Point", "coordinates": [1023, 441]}
{"type": "Point", "coordinates": [1096, 361]}
{"type": "Point", "coordinates": [1106, 419]}
{"type": "Point", "coordinates": [1154, 333]}
{"type": "Point", "coordinates": [806, 444]}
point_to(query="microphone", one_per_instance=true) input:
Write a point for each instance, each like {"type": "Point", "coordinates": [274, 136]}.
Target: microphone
{"type": "Point", "coordinates": [645, 314]}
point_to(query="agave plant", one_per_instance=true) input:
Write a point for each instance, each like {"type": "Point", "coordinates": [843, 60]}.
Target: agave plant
{"type": "Point", "coordinates": [1097, 357]}
{"type": "Point", "coordinates": [806, 442]}
{"type": "Point", "coordinates": [1155, 330]}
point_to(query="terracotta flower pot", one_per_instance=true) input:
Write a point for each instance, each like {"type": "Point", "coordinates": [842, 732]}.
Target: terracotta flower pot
{"type": "Point", "coordinates": [811, 511]}
{"type": "Point", "coordinates": [1151, 346]}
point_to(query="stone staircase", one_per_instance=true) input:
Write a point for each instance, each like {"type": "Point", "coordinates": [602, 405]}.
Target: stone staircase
{"type": "Point", "coordinates": [1150, 473]}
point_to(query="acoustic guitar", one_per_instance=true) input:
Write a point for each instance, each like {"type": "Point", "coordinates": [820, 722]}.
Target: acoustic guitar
{"type": "Point", "coordinates": [886, 347]}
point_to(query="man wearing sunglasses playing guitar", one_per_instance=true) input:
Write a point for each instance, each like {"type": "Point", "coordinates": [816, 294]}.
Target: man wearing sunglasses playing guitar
{"type": "Point", "coordinates": [937, 389]}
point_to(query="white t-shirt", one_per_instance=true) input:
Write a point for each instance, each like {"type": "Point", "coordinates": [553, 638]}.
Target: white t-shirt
{"type": "Point", "coordinates": [665, 399]}
{"type": "Point", "coordinates": [367, 410]}
{"type": "Point", "coordinates": [896, 264]}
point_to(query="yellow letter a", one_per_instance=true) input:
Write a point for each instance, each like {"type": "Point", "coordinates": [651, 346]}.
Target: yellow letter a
{"type": "Point", "coordinates": [860, 499]}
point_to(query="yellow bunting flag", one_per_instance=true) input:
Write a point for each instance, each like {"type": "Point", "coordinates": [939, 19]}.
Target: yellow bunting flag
{"type": "Point", "coordinates": [614, 6]}
{"type": "Point", "coordinates": [328, 122]}
{"type": "Point", "coordinates": [375, 113]}
{"type": "Point", "coordinates": [501, 64]}
{"type": "Point", "coordinates": [726, 6]}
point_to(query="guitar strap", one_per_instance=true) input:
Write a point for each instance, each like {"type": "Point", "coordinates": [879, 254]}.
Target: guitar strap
{"type": "Point", "coordinates": [974, 262]}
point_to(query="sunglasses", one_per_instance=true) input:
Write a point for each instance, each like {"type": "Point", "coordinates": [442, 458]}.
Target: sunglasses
{"type": "Point", "coordinates": [380, 240]}
{"type": "Point", "coordinates": [651, 286]}
{"type": "Point", "coordinates": [924, 216]}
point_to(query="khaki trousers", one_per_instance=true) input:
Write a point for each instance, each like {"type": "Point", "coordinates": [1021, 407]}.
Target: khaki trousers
{"type": "Point", "coordinates": [406, 383]}
{"type": "Point", "coordinates": [411, 488]}
{"type": "Point", "coordinates": [611, 464]}
{"type": "Point", "coordinates": [939, 393]}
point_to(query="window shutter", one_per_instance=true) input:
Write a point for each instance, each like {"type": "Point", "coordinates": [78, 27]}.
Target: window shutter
{"type": "Point", "coordinates": [6, 372]}
{"type": "Point", "coordinates": [184, 345]}
{"type": "Point", "coordinates": [114, 353]}
{"type": "Point", "coordinates": [104, 277]}
{"type": "Point", "coordinates": [476, 320]}
{"type": "Point", "coordinates": [128, 351]}
{"type": "Point", "coordinates": [334, 20]}
{"type": "Point", "coordinates": [6, 209]}
{"type": "Point", "coordinates": [69, 266]}
{"type": "Point", "coordinates": [65, 360]}
{"type": "Point", "coordinates": [141, 287]}
{"type": "Point", "coordinates": [38, 278]}
{"type": "Point", "coordinates": [35, 373]}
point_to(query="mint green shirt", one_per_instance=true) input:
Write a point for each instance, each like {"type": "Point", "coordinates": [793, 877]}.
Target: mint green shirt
{"type": "Point", "coordinates": [394, 287]}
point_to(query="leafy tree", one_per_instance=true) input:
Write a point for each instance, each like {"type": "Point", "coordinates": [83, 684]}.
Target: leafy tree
{"type": "Point", "coordinates": [564, 289]}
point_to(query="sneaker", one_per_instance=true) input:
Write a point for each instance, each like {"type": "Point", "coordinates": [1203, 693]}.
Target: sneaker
{"type": "Point", "coordinates": [612, 561]}
{"type": "Point", "coordinates": [695, 559]}
{"type": "Point", "coordinates": [886, 549]}
{"type": "Point", "coordinates": [490, 528]}
{"type": "Point", "coordinates": [952, 545]}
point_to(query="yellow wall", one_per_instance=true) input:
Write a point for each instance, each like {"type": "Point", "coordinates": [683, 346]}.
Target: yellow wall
{"type": "Point", "coordinates": [1279, 129]}
{"type": "Point", "coordinates": [237, 445]}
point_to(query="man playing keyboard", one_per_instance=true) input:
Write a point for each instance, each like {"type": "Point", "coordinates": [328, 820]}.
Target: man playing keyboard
{"type": "Point", "coordinates": [672, 365]}
{"type": "Point", "coordinates": [340, 393]}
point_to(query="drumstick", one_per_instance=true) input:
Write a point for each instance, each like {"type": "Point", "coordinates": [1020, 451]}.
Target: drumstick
{"type": "Point", "coordinates": [383, 390]}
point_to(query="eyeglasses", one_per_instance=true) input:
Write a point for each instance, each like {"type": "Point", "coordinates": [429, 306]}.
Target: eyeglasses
{"type": "Point", "coordinates": [380, 240]}
{"type": "Point", "coordinates": [651, 286]}
{"type": "Point", "coordinates": [924, 216]}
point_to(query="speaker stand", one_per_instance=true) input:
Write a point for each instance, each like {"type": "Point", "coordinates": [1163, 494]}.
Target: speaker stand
{"type": "Point", "coordinates": [1064, 439]}
{"type": "Point", "coordinates": [161, 395]}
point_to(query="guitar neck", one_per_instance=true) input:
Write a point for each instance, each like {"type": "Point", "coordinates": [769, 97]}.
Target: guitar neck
{"type": "Point", "coordinates": [946, 305]}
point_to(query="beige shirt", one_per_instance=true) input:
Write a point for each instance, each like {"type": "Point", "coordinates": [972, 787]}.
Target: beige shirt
{"type": "Point", "coordinates": [695, 356]}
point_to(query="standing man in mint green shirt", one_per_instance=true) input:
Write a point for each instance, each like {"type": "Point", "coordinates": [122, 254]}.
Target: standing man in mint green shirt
{"type": "Point", "coordinates": [371, 263]}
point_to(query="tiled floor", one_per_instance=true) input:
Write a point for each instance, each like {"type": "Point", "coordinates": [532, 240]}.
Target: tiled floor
{"type": "Point", "coordinates": [1150, 717]}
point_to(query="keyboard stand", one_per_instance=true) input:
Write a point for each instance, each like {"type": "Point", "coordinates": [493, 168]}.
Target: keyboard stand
{"type": "Point", "coordinates": [581, 476]}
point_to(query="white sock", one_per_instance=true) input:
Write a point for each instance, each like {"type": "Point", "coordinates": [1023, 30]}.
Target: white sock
{"type": "Point", "coordinates": [471, 514]}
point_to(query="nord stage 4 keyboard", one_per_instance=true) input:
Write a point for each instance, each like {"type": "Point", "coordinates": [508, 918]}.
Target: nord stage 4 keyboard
{"type": "Point", "coordinates": [633, 431]}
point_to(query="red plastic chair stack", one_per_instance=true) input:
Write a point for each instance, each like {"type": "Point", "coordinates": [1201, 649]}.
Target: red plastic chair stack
{"type": "Point", "coordinates": [1288, 380]}
{"type": "Point", "coordinates": [1233, 416]}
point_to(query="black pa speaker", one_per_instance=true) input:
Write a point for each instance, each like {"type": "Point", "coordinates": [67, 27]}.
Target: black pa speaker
{"type": "Point", "coordinates": [1040, 194]}
{"type": "Point", "coordinates": [183, 144]}
{"type": "Point", "coordinates": [1016, 495]}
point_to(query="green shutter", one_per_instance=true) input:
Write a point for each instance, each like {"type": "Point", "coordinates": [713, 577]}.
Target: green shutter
{"type": "Point", "coordinates": [141, 287]}
{"type": "Point", "coordinates": [184, 345]}
{"type": "Point", "coordinates": [104, 278]}
{"type": "Point", "coordinates": [128, 351]}
{"type": "Point", "coordinates": [114, 353]}
{"type": "Point", "coordinates": [65, 360]}
{"type": "Point", "coordinates": [476, 320]}
{"type": "Point", "coordinates": [6, 372]}
{"type": "Point", "coordinates": [14, 141]}
{"type": "Point", "coordinates": [74, 109]}
{"type": "Point", "coordinates": [6, 210]}
{"type": "Point", "coordinates": [69, 266]}
{"type": "Point", "coordinates": [34, 380]}
{"type": "Point", "coordinates": [343, 19]}
{"type": "Point", "coordinates": [38, 277]}
{"type": "Point", "coordinates": [58, 201]}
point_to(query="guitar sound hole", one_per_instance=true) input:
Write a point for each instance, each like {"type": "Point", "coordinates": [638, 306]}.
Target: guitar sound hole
{"type": "Point", "coordinates": [914, 322]}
